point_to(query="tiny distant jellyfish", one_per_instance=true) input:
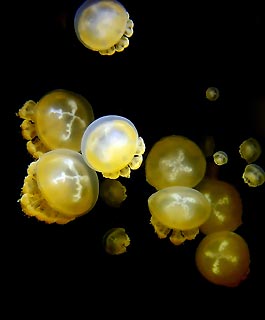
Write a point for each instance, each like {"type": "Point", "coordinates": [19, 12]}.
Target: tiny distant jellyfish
{"type": "Point", "coordinates": [220, 158]}
{"type": "Point", "coordinates": [250, 150]}
{"type": "Point", "coordinates": [254, 175]}
{"type": "Point", "coordinates": [113, 192]}
{"type": "Point", "coordinates": [116, 241]}
{"type": "Point", "coordinates": [59, 187]}
{"type": "Point", "coordinates": [103, 26]}
{"type": "Point", "coordinates": [223, 258]}
{"type": "Point", "coordinates": [57, 120]}
{"type": "Point", "coordinates": [212, 93]}
{"type": "Point", "coordinates": [111, 145]}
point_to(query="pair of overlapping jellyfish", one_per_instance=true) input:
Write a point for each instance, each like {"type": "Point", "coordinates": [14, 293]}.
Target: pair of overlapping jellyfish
{"type": "Point", "coordinates": [70, 147]}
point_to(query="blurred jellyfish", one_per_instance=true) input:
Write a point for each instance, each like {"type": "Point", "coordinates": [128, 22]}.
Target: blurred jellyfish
{"type": "Point", "coordinates": [220, 158]}
{"type": "Point", "coordinates": [212, 93]}
{"type": "Point", "coordinates": [113, 192]}
{"type": "Point", "coordinates": [254, 175]}
{"type": "Point", "coordinates": [116, 241]}
{"type": "Point", "coordinates": [250, 150]}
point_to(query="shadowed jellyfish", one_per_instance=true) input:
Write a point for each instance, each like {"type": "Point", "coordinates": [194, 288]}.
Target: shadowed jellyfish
{"type": "Point", "coordinates": [250, 150]}
{"type": "Point", "coordinates": [212, 93]}
{"type": "Point", "coordinates": [182, 209]}
{"type": "Point", "coordinates": [223, 258]}
{"type": "Point", "coordinates": [112, 192]}
{"type": "Point", "coordinates": [59, 187]}
{"type": "Point", "coordinates": [111, 145]}
{"type": "Point", "coordinates": [103, 26]}
{"type": "Point", "coordinates": [220, 158]}
{"type": "Point", "coordinates": [253, 175]}
{"type": "Point", "coordinates": [57, 120]}
{"type": "Point", "coordinates": [116, 241]}
{"type": "Point", "coordinates": [226, 203]}
{"type": "Point", "coordinates": [175, 161]}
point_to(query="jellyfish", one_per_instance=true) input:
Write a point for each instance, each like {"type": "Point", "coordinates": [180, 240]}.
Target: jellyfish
{"type": "Point", "coordinates": [175, 161]}
{"type": "Point", "coordinates": [113, 192]}
{"type": "Point", "coordinates": [223, 258]}
{"type": "Point", "coordinates": [253, 175]}
{"type": "Point", "coordinates": [111, 145]}
{"type": "Point", "coordinates": [103, 26]}
{"type": "Point", "coordinates": [179, 209]}
{"type": "Point", "coordinates": [250, 150]}
{"type": "Point", "coordinates": [220, 158]}
{"type": "Point", "coordinates": [116, 241]}
{"type": "Point", "coordinates": [212, 93]}
{"type": "Point", "coordinates": [226, 203]}
{"type": "Point", "coordinates": [57, 120]}
{"type": "Point", "coordinates": [59, 187]}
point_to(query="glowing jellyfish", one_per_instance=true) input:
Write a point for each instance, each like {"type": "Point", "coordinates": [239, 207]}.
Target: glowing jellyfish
{"type": "Point", "coordinates": [111, 145]}
{"type": "Point", "coordinates": [175, 161]}
{"type": "Point", "coordinates": [59, 187]}
{"type": "Point", "coordinates": [220, 158]}
{"type": "Point", "coordinates": [226, 206]}
{"type": "Point", "coordinates": [103, 26]}
{"type": "Point", "coordinates": [182, 209]}
{"type": "Point", "coordinates": [57, 120]}
{"type": "Point", "coordinates": [212, 93]}
{"type": "Point", "coordinates": [223, 258]}
{"type": "Point", "coordinates": [116, 241]}
{"type": "Point", "coordinates": [250, 150]}
{"type": "Point", "coordinates": [113, 192]}
{"type": "Point", "coordinates": [254, 175]}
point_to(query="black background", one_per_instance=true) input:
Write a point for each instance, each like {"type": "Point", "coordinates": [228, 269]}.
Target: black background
{"type": "Point", "coordinates": [159, 83]}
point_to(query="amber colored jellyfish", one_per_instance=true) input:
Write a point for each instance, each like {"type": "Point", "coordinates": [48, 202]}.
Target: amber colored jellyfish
{"type": "Point", "coordinates": [223, 258]}
{"type": "Point", "coordinates": [116, 241]}
{"type": "Point", "coordinates": [59, 187]}
{"type": "Point", "coordinates": [212, 93]}
{"type": "Point", "coordinates": [57, 120]}
{"type": "Point", "coordinates": [180, 209]}
{"type": "Point", "coordinates": [226, 203]}
{"type": "Point", "coordinates": [103, 26]}
{"type": "Point", "coordinates": [253, 175]}
{"type": "Point", "coordinates": [111, 145]}
{"type": "Point", "coordinates": [220, 158]}
{"type": "Point", "coordinates": [112, 192]}
{"type": "Point", "coordinates": [175, 161]}
{"type": "Point", "coordinates": [250, 150]}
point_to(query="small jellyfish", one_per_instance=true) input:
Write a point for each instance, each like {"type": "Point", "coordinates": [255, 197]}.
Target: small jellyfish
{"type": "Point", "coordinates": [116, 241]}
{"type": "Point", "coordinates": [223, 258]}
{"type": "Point", "coordinates": [103, 26]}
{"type": "Point", "coordinates": [226, 203]}
{"type": "Point", "coordinates": [57, 120]}
{"type": "Point", "coordinates": [113, 192]}
{"type": "Point", "coordinates": [250, 150]}
{"type": "Point", "coordinates": [212, 93]}
{"type": "Point", "coordinates": [59, 187]}
{"type": "Point", "coordinates": [175, 161]}
{"type": "Point", "coordinates": [182, 209]}
{"type": "Point", "coordinates": [220, 158]}
{"type": "Point", "coordinates": [111, 145]}
{"type": "Point", "coordinates": [254, 175]}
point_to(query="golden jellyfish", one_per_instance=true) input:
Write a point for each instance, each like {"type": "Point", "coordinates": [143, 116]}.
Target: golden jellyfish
{"type": "Point", "coordinates": [116, 241]}
{"type": "Point", "coordinates": [103, 26]}
{"type": "Point", "coordinates": [250, 150]}
{"type": "Point", "coordinates": [253, 175]}
{"type": "Point", "coordinates": [220, 158]}
{"type": "Point", "coordinates": [113, 192]}
{"type": "Point", "coordinates": [212, 93]}
{"type": "Point", "coordinates": [180, 209]}
{"type": "Point", "coordinates": [59, 187]}
{"type": "Point", "coordinates": [111, 145]}
{"type": "Point", "coordinates": [57, 120]}
{"type": "Point", "coordinates": [175, 161]}
{"type": "Point", "coordinates": [226, 203]}
{"type": "Point", "coordinates": [223, 258]}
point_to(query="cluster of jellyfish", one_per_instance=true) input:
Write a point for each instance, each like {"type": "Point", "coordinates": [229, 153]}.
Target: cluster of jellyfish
{"type": "Point", "coordinates": [70, 148]}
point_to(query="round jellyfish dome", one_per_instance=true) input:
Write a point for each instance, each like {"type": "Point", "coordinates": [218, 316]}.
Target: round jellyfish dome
{"type": "Point", "coordinates": [175, 161]}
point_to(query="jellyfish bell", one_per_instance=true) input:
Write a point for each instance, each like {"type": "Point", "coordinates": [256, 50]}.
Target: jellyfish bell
{"type": "Point", "coordinates": [212, 93]}
{"type": "Point", "coordinates": [103, 26]}
{"type": "Point", "coordinates": [253, 175]}
{"type": "Point", "coordinates": [250, 150]}
{"type": "Point", "coordinates": [220, 158]}
{"type": "Point", "coordinates": [111, 145]}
